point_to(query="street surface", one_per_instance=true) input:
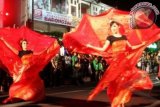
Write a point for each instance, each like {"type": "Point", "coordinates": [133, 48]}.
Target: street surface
{"type": "Point", "coordinates": [75, 96]}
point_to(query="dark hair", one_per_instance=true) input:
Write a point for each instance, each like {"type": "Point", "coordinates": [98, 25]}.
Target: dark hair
{"type": "Point", "coordinates": [115, 23]}
{"type": "Point", "coordinates": [22, 41]}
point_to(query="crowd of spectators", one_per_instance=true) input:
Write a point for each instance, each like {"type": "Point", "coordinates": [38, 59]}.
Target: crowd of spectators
{"type": "Point", "coordinates": [77, 69]}
{"type": "Point", "coordinates": [149, 62]}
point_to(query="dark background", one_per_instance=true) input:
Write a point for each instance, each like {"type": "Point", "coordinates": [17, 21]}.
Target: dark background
{"type": "Point", "coordinates": [128, 4]}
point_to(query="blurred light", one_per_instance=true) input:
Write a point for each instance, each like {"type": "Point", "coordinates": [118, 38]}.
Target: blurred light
{"type": "Point", "coordinates": [154, 46]}
{"type": "Point", "coordinates": [7, 14]}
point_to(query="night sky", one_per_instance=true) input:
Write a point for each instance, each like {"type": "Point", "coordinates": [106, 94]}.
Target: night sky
{"type": "Point", "coordinates": [128, 4]}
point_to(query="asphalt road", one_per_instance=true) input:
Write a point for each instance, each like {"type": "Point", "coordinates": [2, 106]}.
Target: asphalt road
{"type": "Point", "coordinates": [75, 96]}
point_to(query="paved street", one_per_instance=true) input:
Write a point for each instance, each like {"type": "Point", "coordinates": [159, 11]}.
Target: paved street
{"type": "Point", "coordinates": [75, 96]}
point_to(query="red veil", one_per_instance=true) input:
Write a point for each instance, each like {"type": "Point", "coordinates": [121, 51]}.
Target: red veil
{"type": "Point", "coordinates": [29, 85]}
{"type": "Point", "coordinates": [121, 77]}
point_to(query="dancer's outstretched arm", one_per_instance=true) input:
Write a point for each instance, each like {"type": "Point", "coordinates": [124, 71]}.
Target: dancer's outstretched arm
{"type": "Point", "coordinates": [136, 46]}
{"type": "Point", "coordinates": [9, 46]}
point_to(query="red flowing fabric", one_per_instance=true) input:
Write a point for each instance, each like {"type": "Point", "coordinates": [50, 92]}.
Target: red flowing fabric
{"type": "Point", "coordinates": [27, 85]}
{"type": "Point", "coordinates": [122, 77]}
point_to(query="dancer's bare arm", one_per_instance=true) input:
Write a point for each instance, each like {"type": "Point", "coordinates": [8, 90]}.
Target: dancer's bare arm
{"type": "Point", "coordinates": [9, 46]}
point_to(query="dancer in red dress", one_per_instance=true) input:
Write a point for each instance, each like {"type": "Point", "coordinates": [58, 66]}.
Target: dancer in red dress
{"type": "Point", "coordinates": [24, 66]}
{"type": "Point", "coordinates": [120, 45]}
{"type": "Point", "coordinates": [121, 77]}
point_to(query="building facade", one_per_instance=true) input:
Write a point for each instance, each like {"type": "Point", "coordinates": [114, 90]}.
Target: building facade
{"type": "Point", "coordinates": [61, 15]}
{"type": "Point", "coordinates": [13, 13]}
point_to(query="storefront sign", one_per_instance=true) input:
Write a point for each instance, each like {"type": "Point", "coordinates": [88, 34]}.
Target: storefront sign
{"type": "Point", "coordinates": [52, 17]}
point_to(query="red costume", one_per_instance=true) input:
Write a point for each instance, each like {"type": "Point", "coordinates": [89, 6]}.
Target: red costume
{"type": "Point", "coordinates": [122, 77]}
{"type": "Point", "coordinates": [27, 85]}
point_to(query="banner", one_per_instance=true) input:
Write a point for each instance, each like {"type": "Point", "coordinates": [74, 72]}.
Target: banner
{"type": "Point", "coordinates": [53, 17]}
